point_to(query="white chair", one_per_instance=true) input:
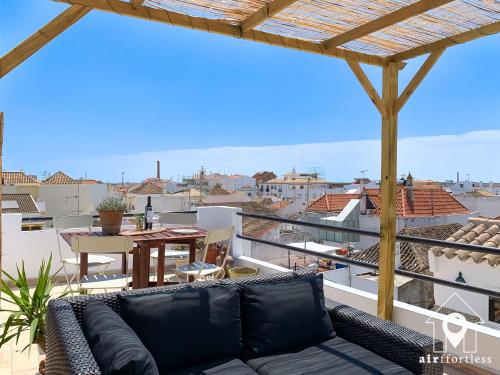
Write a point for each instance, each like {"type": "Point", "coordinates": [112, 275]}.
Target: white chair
{"type": "Point", "coordinates": [175, 219]}
{"type": "Point", "coordinates": [72, 223]}
{"type": "Point", "coordinates": [103, 245]}
{"type": "Point", "coordinates": [202, 270]}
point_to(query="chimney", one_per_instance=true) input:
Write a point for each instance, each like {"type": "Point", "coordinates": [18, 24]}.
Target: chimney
{"type": "Point", "coordinates": [158, 169]}
{"type": "Point", "coordinates": [409, 187]}
{"type": "Point", "coordinates": [458, 177]}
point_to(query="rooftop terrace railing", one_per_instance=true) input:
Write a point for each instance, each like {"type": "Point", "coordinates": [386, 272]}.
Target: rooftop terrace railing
{"type": "Point", "coordinates": [373, 266]}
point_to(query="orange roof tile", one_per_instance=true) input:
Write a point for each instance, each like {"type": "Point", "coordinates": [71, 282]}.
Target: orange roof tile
{"type": "Point", "coordinates": [25, 203]}
{"type": "Point", "coordinates": [147, 188]}
{"type": "Point", "coordinates": [426, 203]}
{"type": "Point", "coordinates": [59, 178]}
{"type": "Point", "coordinates": [17, 178]}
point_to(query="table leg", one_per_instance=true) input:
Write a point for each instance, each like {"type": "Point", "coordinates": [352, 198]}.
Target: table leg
{"type": "Point", "coordinates": [161, 265]}
{"type": "Point", "coordinates": [136, 268]}
{"type": "Point", "coordinates": [192, 255]}
{"type": "Point", "coordinates": [84, 264]}
{"type": "Point", "coordinates": [145, 253]}
{"type": "Point", "coordinates": [124, 264]}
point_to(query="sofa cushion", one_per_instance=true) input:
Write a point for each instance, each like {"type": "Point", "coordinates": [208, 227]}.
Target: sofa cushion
{"type": "Point", "coordinates": [283, 316]}
{"type": "Point", "coordinates": [188, 327]}
{"type": "Point", "coordinates": [223, 367]}
{"type": "Point", "coordinates": [335, 356]}
{"type": "Point", "coordinates": [115, 346]}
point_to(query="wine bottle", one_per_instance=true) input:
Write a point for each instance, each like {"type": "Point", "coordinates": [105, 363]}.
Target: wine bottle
{"type": "Point", "coordinates": [148, 215]}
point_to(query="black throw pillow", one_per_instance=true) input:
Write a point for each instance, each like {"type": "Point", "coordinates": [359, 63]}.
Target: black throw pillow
{"type": "Point", "coordinates": [284, 316]}
{"type": "Point", "coordinates": [116, 347]}
{"type": "Point", "coordinates": [188, 327]}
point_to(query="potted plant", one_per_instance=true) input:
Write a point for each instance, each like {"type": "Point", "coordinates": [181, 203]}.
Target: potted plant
{"type": "Point", "coordinates": [27, 307]}
{"type": "Point", "coordinates": [111, 211]}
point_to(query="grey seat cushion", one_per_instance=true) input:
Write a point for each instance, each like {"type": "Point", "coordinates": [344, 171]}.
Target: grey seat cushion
{"type": "Point", "coordinates": [224, 367]}
{"type": "Point", "coordinates": [335, 356]}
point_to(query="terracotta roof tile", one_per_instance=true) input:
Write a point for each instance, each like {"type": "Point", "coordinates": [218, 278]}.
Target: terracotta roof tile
{"type": "Point", "coordinates": [17, 178]}
{"type": "Point", "coordinates": [147, 188]}
{"type": "Point", "coordinates": [337, 202]}
{"type": "Point", "coordinates": [25, 203]}
{"type": "Point", "coordinates": [59, 178]}
{"type": "Point", "coordinates": [479, 231]}
{"type": "Point", "coordinates": [426, 203]}
{"type": "Point", "coordinates": [414, 257]}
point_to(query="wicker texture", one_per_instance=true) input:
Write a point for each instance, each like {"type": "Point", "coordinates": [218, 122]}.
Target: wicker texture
{"type": "Point", "coordinates": [401, 345]}
{"type": "Point", "coordinates": [69, 353]}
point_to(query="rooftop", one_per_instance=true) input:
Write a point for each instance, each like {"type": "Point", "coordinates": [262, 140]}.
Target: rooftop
{"type": "Point", "coordinates": [147, 187]}
{"type": "Point", "coordinates": [22, 203]}
{"type": "Point", "coordinates": [479, 231]}
{"type": "Point", "coordinates": [11, 178]}
{"type": "Point", "coordinates": [414, 256]}
{"type": "Point", "coordinates": [59, 178]}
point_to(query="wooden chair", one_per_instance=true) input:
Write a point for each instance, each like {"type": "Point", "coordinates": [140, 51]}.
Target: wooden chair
{"type": "Point", "coordinates": [103, 245]}
{"type": "Point", "coordinates": [71, 223]}
{"type": "Point", "coordinates": [202, 270]}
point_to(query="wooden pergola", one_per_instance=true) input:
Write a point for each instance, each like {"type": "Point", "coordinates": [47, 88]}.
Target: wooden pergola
{"type": "Point", "coordinates": [382, 33]}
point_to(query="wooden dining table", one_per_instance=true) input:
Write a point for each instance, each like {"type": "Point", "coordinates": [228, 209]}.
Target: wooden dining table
{"type": "Point", "coordinates": [144, 241]}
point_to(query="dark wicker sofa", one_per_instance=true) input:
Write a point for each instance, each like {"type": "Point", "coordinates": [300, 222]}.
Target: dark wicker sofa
{"type": "Point", "coordinates": [69, 353]}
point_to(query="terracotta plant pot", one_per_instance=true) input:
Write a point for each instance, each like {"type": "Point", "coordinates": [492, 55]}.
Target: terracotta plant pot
{"type": "Point", "coordinates": [111, 221]}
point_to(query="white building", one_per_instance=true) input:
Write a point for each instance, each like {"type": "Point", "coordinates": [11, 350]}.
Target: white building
{"type": "Point", "coordinates": [228, 182]}
{"type": "Point", "coordinates": [64, 195]}
{"type": "Point", "coordinates": [477, 269]}
{"type": "Point", "coordinates": [298, 186]}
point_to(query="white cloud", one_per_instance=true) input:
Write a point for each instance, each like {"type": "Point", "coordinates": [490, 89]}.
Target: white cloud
{"type": "Point", "coordinates": [433, 157]}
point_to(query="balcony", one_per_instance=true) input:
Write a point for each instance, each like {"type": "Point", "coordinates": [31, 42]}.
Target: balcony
{"type": "Point", "coordinates": [34, 246]}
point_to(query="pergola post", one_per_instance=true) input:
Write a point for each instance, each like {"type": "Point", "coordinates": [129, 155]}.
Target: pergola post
{"type": "Point", "coordinates": [388, 186]}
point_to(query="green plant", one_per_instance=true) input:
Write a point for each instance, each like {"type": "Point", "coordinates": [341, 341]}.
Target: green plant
{"type": "Point", "coordinates": [28, 313]}
{"type": "Point", "coordinates": [111, 204]}
{"type": "Point", "coordinates": [138, 220]}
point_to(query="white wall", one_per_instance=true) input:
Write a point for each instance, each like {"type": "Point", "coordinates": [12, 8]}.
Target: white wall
{"type": "Point", "coordinates": [485, 206]}
{"type": "Point", "coordinates": [62, 200]}
{"type": "Point", "coordinates": [482, 275]}
{"type": "Point", "coordinates": [160, 203]}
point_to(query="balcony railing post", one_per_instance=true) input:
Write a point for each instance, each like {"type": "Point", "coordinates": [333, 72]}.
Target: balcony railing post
{"type": "Point", "coordinates": [388, 191]}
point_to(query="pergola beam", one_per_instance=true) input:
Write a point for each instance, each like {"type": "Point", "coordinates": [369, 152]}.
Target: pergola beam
{"type": "Point", "coordinates": [219, 27]}
{"type": "Point", "coordinates": [418, 78]}
{"type": "Point", "coordinates": [43, 36]}
{"type": "Point", "coordinates": [384, 21]}
{"type": "Point", "coordinates": [267, 11]}
{"type": "Point", "coordinates": [467, 36]}
{"type": "Point", "coordinates": [367, 85]}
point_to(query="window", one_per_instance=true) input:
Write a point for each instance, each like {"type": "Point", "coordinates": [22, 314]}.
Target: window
{"type": "Point", "coordinates": [302, 187]}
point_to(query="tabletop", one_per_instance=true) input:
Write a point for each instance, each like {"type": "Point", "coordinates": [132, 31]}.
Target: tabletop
{"type": "Point", "coordinates": [167, 235]}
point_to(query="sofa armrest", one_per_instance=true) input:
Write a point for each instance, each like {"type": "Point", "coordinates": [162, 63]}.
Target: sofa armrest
{"type": "Point", "coordinates": [396, 343]}
{"type": "Point", "coordinates": [67, 349]}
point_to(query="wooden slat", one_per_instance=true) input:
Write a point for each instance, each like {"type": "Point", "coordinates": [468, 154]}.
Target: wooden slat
{"type": "Point", "coordinates": [137, 3]}
{"type": "Point", "coordinates": [388, 193]}
{"type": "Point", "coordinates": [267, 11]}
{"type": "Point", "coordinates": [384, 21]}
{"type": "Point", "coordinates": [418, 78]}
{"type": "Point", "coordinates": [365, 82]}
{"type": "Point", "coordinates": [467, 36]}
{"type": "Point", "coordinates": [43, 36]}
{"type": "Point", "coordinates": [219, 27]}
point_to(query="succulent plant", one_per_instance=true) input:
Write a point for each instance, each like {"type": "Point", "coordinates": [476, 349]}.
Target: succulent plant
{"type": "Point", "coordinates": [111, 204]}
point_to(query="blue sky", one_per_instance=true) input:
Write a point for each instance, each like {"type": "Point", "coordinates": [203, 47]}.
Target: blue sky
{"type": "Point", "coordinates": [115, 93]}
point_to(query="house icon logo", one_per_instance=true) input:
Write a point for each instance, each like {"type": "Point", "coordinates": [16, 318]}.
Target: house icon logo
{"type": "Point", "coordinates": [453, 327]}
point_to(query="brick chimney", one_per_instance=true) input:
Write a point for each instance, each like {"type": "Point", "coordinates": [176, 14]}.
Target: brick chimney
{"type": "Point", "coordinates": [409, 187]}
{"type": "Point", "coordinates": [158, 169]}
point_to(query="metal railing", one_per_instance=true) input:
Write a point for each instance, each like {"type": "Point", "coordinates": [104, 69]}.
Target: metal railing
{"type": "Point", "coordinates": [341, 259]}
